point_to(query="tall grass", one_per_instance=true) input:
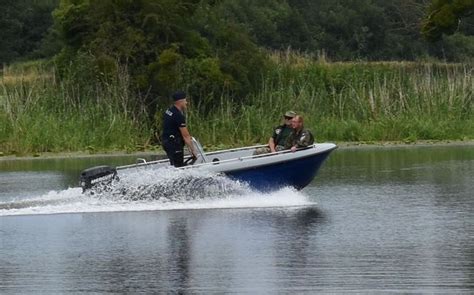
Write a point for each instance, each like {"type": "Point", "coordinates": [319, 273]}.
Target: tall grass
{"type": "Point", "coordinates": [389, 101]}
{"type": "Point", "coordinates": [356, 101]}
{"type": "Point", "coordinates": [40, 113]}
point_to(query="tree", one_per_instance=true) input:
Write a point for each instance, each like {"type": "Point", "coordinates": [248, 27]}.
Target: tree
{"type": "Point", "coordinates": [165, 45]}
{"type": "Point", "coordinates": [11, 25]}
{"type": "Point", "coordinates": [24, 24]}
{"type": "Point", "coordinates": [445, 16]}
{"type": "Point", "coordinates": [403, 38]}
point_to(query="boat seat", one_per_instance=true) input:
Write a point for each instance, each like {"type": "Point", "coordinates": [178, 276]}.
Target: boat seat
{"type": "Point", "coordinates": [201, 155]}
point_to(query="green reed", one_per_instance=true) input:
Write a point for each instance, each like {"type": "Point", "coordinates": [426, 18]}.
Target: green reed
{"type": "Point", "coordinates": [357, 101]}
{"type": "Point", "coordinates": [40, 113]}
{"type": "Point", "coordinates": [389, 101]}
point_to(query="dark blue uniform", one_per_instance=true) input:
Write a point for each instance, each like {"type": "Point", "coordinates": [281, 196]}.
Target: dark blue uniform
{"type": "Point", "coordinates": [172, 140]}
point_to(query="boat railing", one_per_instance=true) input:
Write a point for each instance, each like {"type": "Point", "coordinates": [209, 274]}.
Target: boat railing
{"type": "Point", "coordinates": [236, 149]}
{"type": "Point", "coordinates": [239, 159]}
{"type": "Point", "coordinates": [219, 161]}
{"type": "Point", "coordinates": [141, 164]}
{"type": "Point", "coordinates": [197, 145]}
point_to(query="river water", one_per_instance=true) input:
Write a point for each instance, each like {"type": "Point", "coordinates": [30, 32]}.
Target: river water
{"type": "Point", "coordinates": [374, 220]}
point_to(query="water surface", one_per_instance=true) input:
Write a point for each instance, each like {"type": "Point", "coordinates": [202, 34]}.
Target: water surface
{"type": "Point", "coordinates": [392, 220]}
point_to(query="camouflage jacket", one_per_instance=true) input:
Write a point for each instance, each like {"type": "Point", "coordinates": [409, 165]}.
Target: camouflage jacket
{"type": "Point", "coordinates": [281, 134]}
{"type": "Point", "coordinates": [300, 139]}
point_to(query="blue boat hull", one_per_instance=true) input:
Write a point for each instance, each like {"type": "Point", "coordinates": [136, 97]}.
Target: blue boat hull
{"type": "Point", "coordinates": [296, 173]}
{"type": "Point", "coordinates": [263, 172]}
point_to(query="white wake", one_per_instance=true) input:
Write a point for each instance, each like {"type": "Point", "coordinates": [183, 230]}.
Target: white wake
{"type": "Point", "coordinates": [154, 190]}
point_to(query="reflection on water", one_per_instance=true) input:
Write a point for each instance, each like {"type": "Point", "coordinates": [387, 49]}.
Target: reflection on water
{"type": "Point", "coordinates": [398, 220]}
{"type": "Point", "coordinates": [172, 251]}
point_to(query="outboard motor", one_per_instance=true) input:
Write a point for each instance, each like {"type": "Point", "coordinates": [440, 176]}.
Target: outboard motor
{"type": "Point", "coordinates": [94, 175]}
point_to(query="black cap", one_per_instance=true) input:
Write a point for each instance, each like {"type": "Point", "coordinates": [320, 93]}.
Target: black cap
{"type": "Point", "coordinates": [179, 95]}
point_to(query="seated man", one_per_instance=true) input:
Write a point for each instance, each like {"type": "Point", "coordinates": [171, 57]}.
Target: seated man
{"type": "Point", "coordinates": [300, 137]}
{"type": "Point", "coordinates": [279, 137]}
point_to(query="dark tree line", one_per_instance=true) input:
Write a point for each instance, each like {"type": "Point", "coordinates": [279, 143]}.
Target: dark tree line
{"type": "Point", "coordinates": [212, 47]}
{"type": "Point", "coordinates": [25, 28]}
{"type": "Point", "coordinates": [365, 29]}
{"type": "Point", "coordinates": [448, 17]}
{"type": "Point", "coordinates": [342, 29]}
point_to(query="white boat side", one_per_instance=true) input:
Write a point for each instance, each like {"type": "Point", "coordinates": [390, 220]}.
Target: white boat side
{"type": "Point", "coordinates": [242, 158]}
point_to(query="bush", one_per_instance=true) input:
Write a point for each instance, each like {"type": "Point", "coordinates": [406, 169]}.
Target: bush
{"type": "Point", "coordinates": [163, 46]}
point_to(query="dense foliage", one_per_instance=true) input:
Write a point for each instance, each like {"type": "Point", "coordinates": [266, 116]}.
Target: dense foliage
{"type": "Point", "coordinates": [107, 67]}
{"type": "Point", "coordinates": [25, 26]}
{"type": "Point", "coordinates": [339, 29]}
{"type": "Point", "coordinates": [164, 45]}
{"type": "Point", "coordinates": [339, 101]}
{"type": "Point", "coordinates": [448, 16]}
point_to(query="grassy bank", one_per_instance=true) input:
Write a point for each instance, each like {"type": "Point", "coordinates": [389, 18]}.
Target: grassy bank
{"type": "Point", "coordinates": [39, 113]}
{"type": "Point", "coordinates": [394, 101]}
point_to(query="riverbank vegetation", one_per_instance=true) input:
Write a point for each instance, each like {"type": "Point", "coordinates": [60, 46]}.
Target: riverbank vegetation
{"type": "Point", "coordinates": [378, 101]}
{"type": "Point", "coordinates": [391, 101]}
{"type": "Point", "coordinates": [97, 75]}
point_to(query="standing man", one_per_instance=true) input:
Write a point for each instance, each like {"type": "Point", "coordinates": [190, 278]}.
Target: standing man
{"type": "Point", "coordinates": [300, 137]}
{"type": "Point", "coordinates": [175, 133]}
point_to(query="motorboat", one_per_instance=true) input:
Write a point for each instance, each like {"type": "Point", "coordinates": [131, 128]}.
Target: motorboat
{"type": "Point", "coordinates": [263, 172]}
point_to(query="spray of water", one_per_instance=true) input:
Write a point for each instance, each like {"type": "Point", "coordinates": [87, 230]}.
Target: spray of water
{"type": "Point", "coordinates": [156, 189]}
{"type": "Point", "coordinates": [169, 185]}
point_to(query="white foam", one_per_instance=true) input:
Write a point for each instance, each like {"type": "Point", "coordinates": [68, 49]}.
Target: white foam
{"type": "Point", "coordinates": [155, 191]}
